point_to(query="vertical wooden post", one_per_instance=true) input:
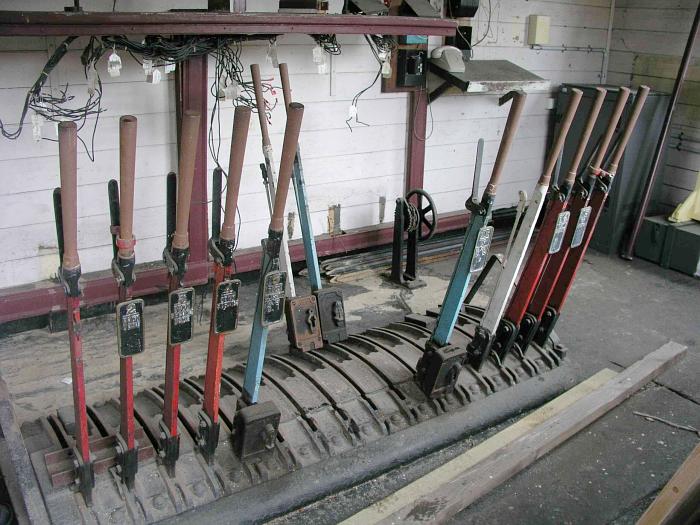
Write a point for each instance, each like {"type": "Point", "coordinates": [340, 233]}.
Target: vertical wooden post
{"type": "Point", "coordinates": [415, 144]}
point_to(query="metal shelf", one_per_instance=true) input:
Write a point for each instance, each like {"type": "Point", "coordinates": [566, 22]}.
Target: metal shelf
{"type": "Point", "coordinates": [42, 23]}
{"type": "Point", "coordinates": [487, 77]}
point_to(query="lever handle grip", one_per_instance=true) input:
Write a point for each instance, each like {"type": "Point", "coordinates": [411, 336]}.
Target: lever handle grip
{"type": "Point", "coordinates": [516, 109]}
{"type": "Point", "coordinates": [639, 101]}
{"type": "Point", "coordinates": [189, 133]}
{"type": "Point", "coordinates": [574, 101]}
{"type": "Point", "coordinates": [295, 113]}
{"type": "Point", "coordinates": [68, 158]}
{"type": "Point", "coordinates": [127, 174]}
{"type": "Point", "coordinates": [622, 97]}
{"type": "Point", "coordinates": [260, 103]}
{"type": "Point", "coordinates": [286, 87]}
{"type": "Point", "coordinates": [586, 135]}
{"type": "Point", "coordinates": [241, 124]}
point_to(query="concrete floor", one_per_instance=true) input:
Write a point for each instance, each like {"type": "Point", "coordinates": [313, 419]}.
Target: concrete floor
{"type": "Point", "coordinates": [617, 312]}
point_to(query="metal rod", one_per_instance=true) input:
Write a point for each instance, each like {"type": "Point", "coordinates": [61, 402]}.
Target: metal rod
{"type": "Point", "coordinates": [480, 348]}
{"type": "Point", "coordinates": [271, 251]}
{"type": "Point", "coordinates": [271, 174]}
{"type": "Point", "coordinates": [598, 195]}
{"type": "Point", "coordinates": [457, 288]}
{"type": "Point", "coordinates": [125, 245]}
{"type": "Point", "coordinates": [223, 268]}
{"type": "Point", "coordinates": [628, 251]}
{"type": "Point", "coordinates": [189, 134]}
{"type": "Point", "coordinates": [538, 257]}
{"type": "Point", "coordinates": [314, 272]}
{"type": "Point", "coordinates": [70, 270]}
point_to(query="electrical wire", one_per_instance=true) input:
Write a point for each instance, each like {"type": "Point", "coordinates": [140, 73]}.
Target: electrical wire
{"type": "Point", "coordinates": [160, 50]}
{"type": "Point", "coordinates": [329, 43]}
{"type": "Point", "coordinates": [380, 46]}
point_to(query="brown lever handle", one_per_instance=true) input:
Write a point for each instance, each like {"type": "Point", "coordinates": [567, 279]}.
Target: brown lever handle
{"type": "Point", "coordinates": [241, 124]}
{"type": "Point", "coordinates": [622, 97]}
{"type": "Point", "coordinates": [516, 109]}
{"type": "Point", "coordinates": [587, 130]}
{"type": "Point", "coordinates": [260, 103]}
{"type": "Point", "coordinates": [68, 158]}
{"type": "Point", "coordinates": [639, 101]}
{"type": "Point", "coordinates": [286, 87]}
{"type": "Point", "coordinates": [127, 174]}
{"type": "Point", "coordinates": [295, 112]}
{"type": "Point", "coordinates": [574, 101]}
{"type": "Point", "coordinates": [189, 134]}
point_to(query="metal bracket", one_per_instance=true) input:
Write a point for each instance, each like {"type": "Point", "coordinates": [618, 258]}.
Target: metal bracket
{"type": "Point", "coordinates": [331, 310]}
{"type": "Point", "coordinates": [70, 279]}
{"type": "Point", "coordinates": [504, 338]}
{"type": "Point", "coordinates": [255, 429]}
{"type": "Point", "coordinates": [438, 369]}
{"type": "Point", "coordinates": [544, 330]}
{"type": "Point", "coordinates": [505, 98]}
{"type": "Point", "coordinates": [169, 449]}
{"type": "Point", "coordinates": [479, 348]}
{"type": "Point", "coordinates": [526, 332]}
{"type": "Point", "coordinates": [127, 462]}
{"type": "Point", "coordinates": [175, 260]}
{"type": "Point", "coordinates": [208, 438]}
{"type": "Point", "coordinates": [85, 476]}
{"type": "Point", "coordinates": [221, 251]}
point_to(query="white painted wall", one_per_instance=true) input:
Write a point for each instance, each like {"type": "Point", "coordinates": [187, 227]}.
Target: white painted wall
{"type": "Point", "coordinates": [648, 40]}
{"type": "Point", "coordinates": [353, 169]}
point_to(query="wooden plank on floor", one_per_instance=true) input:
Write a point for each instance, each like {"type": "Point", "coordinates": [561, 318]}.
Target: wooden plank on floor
{"type": "Point", "coordinates": [450, 470]}
{"type": "Point", "coordinates": [448, 497]}
{"type": "Point", "coordinates": [679, 498]}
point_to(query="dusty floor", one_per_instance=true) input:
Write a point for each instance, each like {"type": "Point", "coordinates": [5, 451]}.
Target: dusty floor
{"type": "Point", "coordinates": [617, 312]}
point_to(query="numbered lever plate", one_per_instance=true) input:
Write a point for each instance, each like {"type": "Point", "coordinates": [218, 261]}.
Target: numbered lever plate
{"type": "Point", "coordinates": [559, 231]}
{"type": "Point", "coordinates": [180, 311]}
{"type": "Point", "coordinates": [273, 295]}
{"type": "Point", "coordinates": [481, 250]}
{"type": "Point", "coordinates": [226, 313]}
{"type": "Point", "coordinates": [130, 339]}
{"type": "Point", "coordinates": [581, 224]}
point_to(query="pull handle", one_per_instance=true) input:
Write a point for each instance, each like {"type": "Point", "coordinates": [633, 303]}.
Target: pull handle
{"type": "Point", "coordinates": [241, 124]}
{"type": "Point", "coordinates": [68, 158]}
{"type": "Point", "coordinates": [286, 87]}
{"type": "Point", "coordinates": [639, 101]}
{"type": "Point", "coordinates": [260, 103]}
{"type": "Point", "coordinates": [216, 177]}
{"type": "Point", "coordinates": [516, 110]}
{"type": "Point", "coordinates": [477, 168]}
{"type": "Point", "coordinates": [586, 135]}
{"type": "Point", "coordinates": [295, 113]}
{"type": "Point", "coordinates": [189, 134]}
{"type": "Point", "coordinates": [622, 97]}
{"type": "Point", "coordinates": [574, 102]}
{"type": "Point", "coordinates": [127, 175]}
